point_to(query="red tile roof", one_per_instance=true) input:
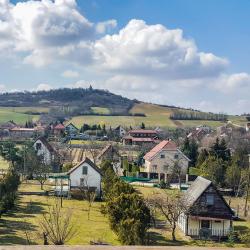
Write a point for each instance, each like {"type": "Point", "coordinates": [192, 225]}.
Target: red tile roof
{"type": "Point", "coordinates": [168, 145]}
{"type": "Point", "coordinates": [59, 127]}
{"type": "Point", "coordinates": [143, 131]}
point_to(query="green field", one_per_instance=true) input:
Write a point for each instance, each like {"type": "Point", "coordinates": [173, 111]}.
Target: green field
{"type": "Point", "coordinates": [17, 114]}
{"type": "Point", "coordinates": [100, 110]}
{"type": "Point", "coordinates": [155, 116]}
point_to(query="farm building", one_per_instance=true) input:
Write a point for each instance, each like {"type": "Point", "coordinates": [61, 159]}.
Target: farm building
{"type": "Point", "coordinates": [140, 137]}
{"type": "Point", "coordinates": [85, 174]}
{"type": "Point", "coordinates": [208, 214]}
{"type": "Point", "coordinates": [161, 161]}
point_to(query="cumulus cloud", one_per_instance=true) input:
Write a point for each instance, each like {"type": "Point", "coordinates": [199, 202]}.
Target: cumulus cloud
{"type": "Point", "coordinates": [142, 49]}
{"type": "Point", "coordinates": [70, 74]}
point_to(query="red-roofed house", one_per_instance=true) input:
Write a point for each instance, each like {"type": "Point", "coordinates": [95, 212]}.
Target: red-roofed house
{"type": "Point", "coordinates": [59, 129]}
{"type": "Point", "coordinates": [141, 136]}
{"type": "Point", "coordinates": [160, 161]}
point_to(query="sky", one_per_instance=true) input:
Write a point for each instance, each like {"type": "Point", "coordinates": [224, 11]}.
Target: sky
{"type": "Point", "coordinates": [187, 53]}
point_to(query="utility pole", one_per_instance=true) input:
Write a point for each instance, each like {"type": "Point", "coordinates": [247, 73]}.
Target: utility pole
{"type": "Point", "coordinates": [248, 185]}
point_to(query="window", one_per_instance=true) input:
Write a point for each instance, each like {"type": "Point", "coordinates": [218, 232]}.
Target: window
{"type": "Point", "coordinates": [205, 224]}
{"type": "Point", "coordinates": [162, 156]}
{"type": "Point", "coordinates": [38, 146]}
{"type": "Point", "coordinates": [210, 199]}
{"type": "Point", "coordinates": [176, 156]}
{"type": "Point", "coordinates": [154, 167]}
{"type": "Point", "coordinates": [84, 170]}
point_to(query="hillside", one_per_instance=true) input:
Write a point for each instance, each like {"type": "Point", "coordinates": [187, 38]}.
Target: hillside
{"type": "Point", "coordinates": [95, 107]}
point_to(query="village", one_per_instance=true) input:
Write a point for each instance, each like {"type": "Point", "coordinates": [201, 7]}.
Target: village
{"type": "Point", "coordinates": [194, 183]}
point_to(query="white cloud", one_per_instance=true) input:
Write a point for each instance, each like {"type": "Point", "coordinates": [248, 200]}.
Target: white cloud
{"type": "Point", "coordinates": [147, 62]}
{"type": "Point", "coordinates": [104, 27]}
{"type": "Point", "coordinates": [81, 84]}
{"type": "Point", "coordinates": [70, 74]}
{"type": "Point", "coordinates": [142, 49]}
{"type": "Point", "coordinates": [43, 86]}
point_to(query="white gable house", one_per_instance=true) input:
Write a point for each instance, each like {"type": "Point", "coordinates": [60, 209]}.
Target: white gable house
{"type": "Point", "coordinates": [44, 150]}
{"type": "Point", "coordinates": [86, 173]}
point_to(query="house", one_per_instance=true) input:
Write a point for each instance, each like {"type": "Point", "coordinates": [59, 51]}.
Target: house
{"type": "Point", "coordinates": [120, 131]}
{"type": "Point", "coordinates": [109, 153]}
{"type": "Point", "coordinates": [140, 137]}
{"type": "Point", "coordinates": [58, 129]}
{"type": "Point", "coordinates": [197, 134]}
{"type": "Point", "coordinates": [5, 127]}
{"type": "Point", "coordinates": [86, 173]}
{"type": "Point", "coordinates": [161, 160]}
{"type": "Point", "coordinates": [71, 129]}
{"type": "Point", "coordinates": [45, 150]}
{"type": "Point", "coordinates": [22, 132]}
{"type": "Point", "coordinates": [207, 214]}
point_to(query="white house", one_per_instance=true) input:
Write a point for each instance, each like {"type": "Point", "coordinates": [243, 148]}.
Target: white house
{"type": "Point", "coordinates": [207, 212]}
{"type": "Point", "coordinates": [120, 131]}
{"type": "Point", "coordinates": [161, 160]}
{"type": "Point", "coordinates": [86, 173]}
{"type": "Point", "coordinates": [71, 129]}
{"type": "Point", "coordinates": [45, 150]}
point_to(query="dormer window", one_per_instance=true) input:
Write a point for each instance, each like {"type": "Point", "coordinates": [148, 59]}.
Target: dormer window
{"type": "Point", "coordinates": [162, 156]}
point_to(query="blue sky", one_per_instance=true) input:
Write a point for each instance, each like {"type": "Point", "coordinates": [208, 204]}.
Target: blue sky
{"type": "Point", "coordinates": [189, 53]}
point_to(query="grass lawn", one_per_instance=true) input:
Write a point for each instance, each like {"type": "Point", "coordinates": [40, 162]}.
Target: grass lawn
{"type": "Point", "coordinates": [26, 219]}
{"type": "Point", "coordinates": [3, 164]}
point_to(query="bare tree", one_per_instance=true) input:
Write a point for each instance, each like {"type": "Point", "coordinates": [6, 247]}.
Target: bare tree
{"type": "Point", "coordinates": [88, 193]}
{"type": "Point", "coordinates": [171, 207]}
{"type": "Point", "coordinates": [57, 224]}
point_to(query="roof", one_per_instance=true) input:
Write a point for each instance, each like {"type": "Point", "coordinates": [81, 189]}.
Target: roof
{"type": "Point", "coordinates": [71, 124]}
{"type": "Point", "coordinates": [105, 149]}
{"type": "Point", "coordinates": [166, 144]}
{"type": "Point", "coordinates": [23, 129]}
{"type": "Point", "coordinates": [89, 162]}
{"type": "Point", "coordinates": [143, 139]}
{"type": "Point", "coordinates": [143, 131]}
{"type": "Point", "coordinates": [46, 144]}
{"type": "Point", "coordinates": [197, 188]}
{"type": "Point", "coordinates": [59, 126]}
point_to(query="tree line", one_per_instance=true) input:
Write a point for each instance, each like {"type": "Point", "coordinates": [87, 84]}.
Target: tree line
{"type": "Point", "coordinates": [196, 115]}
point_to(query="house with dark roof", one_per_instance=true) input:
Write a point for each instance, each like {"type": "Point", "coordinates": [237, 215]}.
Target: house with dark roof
{"type": "Point", "coordinates": [45, 150]}
{"type": "Point", "coordinates": [85, 174]}
{"type": "Point", "coordinates": [120, 131]}
{"type": "Point", "coordinates": [109, 153]}
{"type": "Point", "coordinates": [71, 129]}
{"type": "Point", "coordinates": [207, 214]}
{"type": "Point", "coordinates": [161, 161]}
